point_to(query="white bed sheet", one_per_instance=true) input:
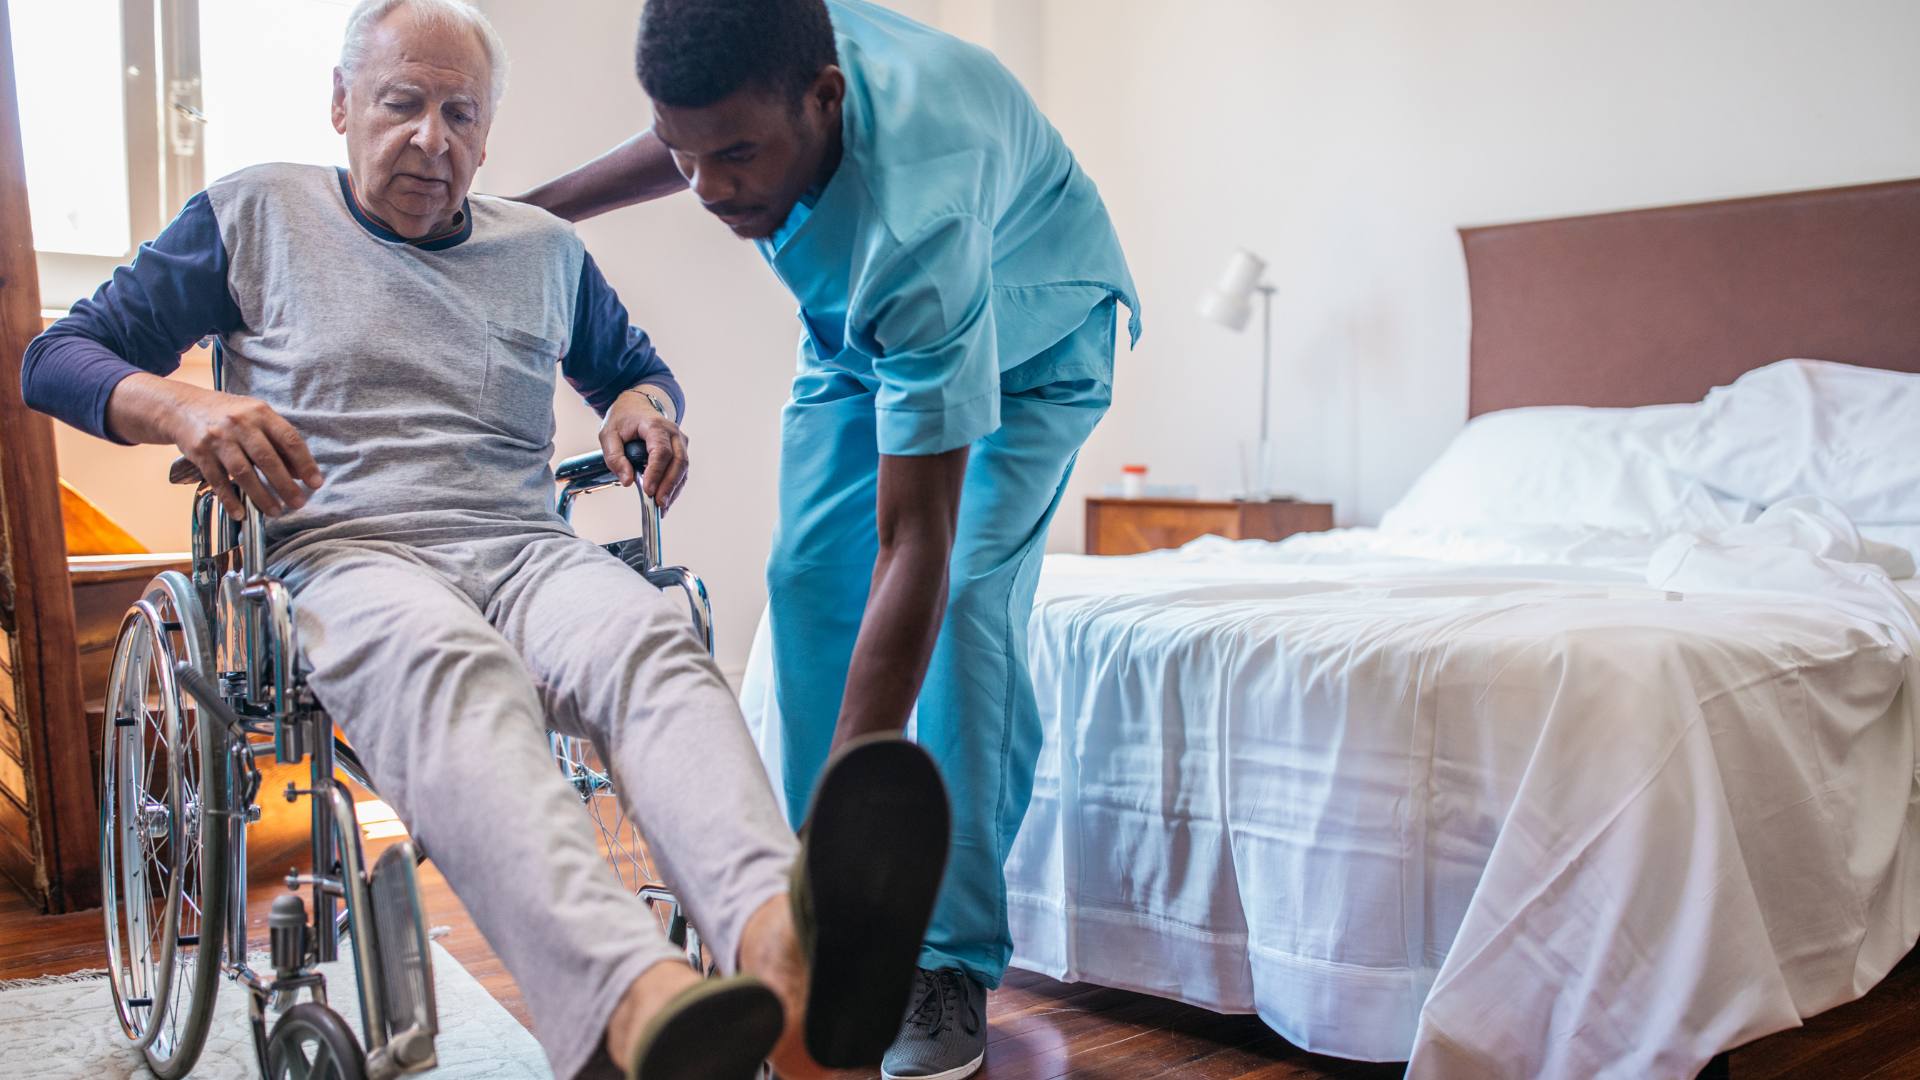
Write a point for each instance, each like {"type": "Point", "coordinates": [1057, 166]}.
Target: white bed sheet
{"type": "Point", "coordinates": [1499, 806]}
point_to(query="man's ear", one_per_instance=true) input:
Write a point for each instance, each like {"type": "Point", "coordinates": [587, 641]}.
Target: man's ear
{"type": "Point", "coordinates": [339, 101]}
{"type": "Point", "coordinates": [829, 90]}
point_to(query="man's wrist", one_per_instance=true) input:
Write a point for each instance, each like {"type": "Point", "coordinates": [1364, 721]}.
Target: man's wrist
{"type": "Point", "coordinates": [661, 401]}
{"type": "Point", "coordinates": [140, 409]}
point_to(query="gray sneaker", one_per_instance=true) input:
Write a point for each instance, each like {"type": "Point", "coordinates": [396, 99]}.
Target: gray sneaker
{"type": "Point", "coordinates": [945, 1034]}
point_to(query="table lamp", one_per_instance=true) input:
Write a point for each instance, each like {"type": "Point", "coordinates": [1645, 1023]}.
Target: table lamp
{"type": "Point", "coordinates": [1230, 304]}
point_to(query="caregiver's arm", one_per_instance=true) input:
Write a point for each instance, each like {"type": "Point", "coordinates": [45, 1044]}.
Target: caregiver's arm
{"type": "Point", "coordinates": [919, 504]}
{"type": "Point", "coordinates": [636, 171]}
{"type": "Point", "coordinates": [926, 316]}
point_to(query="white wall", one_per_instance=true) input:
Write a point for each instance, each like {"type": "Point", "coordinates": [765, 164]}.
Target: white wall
{"type": "Point", "coordinates": [1347, 141]}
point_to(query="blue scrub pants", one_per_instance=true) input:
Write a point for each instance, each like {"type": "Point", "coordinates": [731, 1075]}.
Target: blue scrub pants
{"type": "Point", "coordinates": [977, 715]}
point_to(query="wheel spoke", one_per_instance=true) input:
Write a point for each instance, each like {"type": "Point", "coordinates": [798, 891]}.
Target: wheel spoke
{"type": "Point", "coordinates": [153, 745]}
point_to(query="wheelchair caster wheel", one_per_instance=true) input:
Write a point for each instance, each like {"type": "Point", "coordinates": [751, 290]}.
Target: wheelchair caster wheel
{"type": "Point", "coordinates": [311, 1042]}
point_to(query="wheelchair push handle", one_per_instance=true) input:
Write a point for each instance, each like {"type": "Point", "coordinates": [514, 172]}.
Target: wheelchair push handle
{"type": "Point", "coordinates": [590, 469]}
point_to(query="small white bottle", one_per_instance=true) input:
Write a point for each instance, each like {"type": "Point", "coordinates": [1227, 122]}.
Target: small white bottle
{"type": "Point", "coordinates": [1133, 481]}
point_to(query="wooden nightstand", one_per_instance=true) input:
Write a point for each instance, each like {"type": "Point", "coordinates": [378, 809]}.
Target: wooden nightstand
{"type": "Point", "coordinates": [1131, 526]}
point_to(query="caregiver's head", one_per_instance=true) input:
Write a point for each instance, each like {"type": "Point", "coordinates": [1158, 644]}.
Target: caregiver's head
{"type": "Point", "coordinates": [746, 93]}
{"type": "Point", "coordinates": [414, 95]}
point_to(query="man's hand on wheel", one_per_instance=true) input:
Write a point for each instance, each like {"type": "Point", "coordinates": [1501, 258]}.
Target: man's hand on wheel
{"type": "Point", "coordinates": [634, 415]}
{"type": "Point", "coordinates": [239, 444]}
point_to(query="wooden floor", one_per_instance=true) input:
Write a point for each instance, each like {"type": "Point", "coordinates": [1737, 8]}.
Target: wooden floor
{"type": "Point", "coordinates": [1042, 1029]}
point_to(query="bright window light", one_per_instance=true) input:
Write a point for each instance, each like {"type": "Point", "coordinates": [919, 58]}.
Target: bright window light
{"type": "Point", "coordinates": [67, 64]}
{"type": "Point", "coordinates": [267, 81]}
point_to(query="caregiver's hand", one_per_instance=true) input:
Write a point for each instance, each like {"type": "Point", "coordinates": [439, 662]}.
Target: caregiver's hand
{"type": "Point", "coordinates": [238, 443]}
{"type": "Point", "coordinates": [633, 415]}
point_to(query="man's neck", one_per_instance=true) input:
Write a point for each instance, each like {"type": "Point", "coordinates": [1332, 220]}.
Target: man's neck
{"type": "Point", "coordinates": [829, 163]}
{"type": "Point", "coordinates": [445, 227]}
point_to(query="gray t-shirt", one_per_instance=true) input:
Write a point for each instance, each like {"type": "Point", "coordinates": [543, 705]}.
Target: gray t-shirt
{"type": "Point", "coordinates": [420, 374]}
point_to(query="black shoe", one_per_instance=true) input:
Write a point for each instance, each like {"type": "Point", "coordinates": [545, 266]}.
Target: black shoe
{"type": "Point", "coordinates": [871, 857]}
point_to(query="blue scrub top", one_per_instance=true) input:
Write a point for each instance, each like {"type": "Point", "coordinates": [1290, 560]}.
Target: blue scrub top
{"type": "Point", "coordinates": [957, 241]}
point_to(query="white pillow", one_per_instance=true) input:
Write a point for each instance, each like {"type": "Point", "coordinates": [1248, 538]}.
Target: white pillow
{"type": "Point", "coordinates": [1810, 427]}
{"type": "Point", "coordinates": [1564, 466]}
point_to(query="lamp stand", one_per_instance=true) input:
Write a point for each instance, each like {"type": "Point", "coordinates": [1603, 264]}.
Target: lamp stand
{"type": "Point", "coordinates": [1259, 472]}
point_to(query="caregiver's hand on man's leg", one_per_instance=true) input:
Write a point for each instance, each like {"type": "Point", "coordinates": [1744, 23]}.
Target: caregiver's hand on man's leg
{"type": "Point", "coordinates": [646, 413]}
{"type": "Point", "coordinates": [232, 440]}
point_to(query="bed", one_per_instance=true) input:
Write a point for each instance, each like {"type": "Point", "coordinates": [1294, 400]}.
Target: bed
{"type": "Point", "coordinates": [1528, 798]}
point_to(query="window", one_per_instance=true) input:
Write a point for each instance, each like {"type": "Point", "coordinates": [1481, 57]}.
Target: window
{"type": "Point", "coordinates": [76, 179]}
{"type": "Point", "coordinates": [267, 81]}
{"type": "Point", "coordinates": [128, 107]}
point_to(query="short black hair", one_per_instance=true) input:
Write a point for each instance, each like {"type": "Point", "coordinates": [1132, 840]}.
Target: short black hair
{"type": "Point", "coordinates": [693, 53]}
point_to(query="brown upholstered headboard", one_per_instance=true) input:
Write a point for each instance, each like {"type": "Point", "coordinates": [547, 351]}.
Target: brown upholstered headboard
{"type": "Point", "coordinates": [1655, 306]}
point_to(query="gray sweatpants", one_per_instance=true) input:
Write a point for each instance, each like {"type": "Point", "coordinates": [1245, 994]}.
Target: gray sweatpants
{"type": "Point", "coordinates": [445, 661]}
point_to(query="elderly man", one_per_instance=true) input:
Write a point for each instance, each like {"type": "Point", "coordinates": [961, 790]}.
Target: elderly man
{"type": "Point", "coordinates": [390, 346]}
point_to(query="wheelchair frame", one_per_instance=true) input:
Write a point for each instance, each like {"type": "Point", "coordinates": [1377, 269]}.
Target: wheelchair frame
{"type": "Point", "coordinates": [180, 785]}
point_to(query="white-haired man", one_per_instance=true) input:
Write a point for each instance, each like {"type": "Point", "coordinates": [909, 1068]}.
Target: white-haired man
{"type": "Point", "coordinates": [390, 346]}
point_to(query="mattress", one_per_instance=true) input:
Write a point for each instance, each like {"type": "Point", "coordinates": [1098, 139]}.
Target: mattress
{"type": "Point", "coordinates": [1522, 805]}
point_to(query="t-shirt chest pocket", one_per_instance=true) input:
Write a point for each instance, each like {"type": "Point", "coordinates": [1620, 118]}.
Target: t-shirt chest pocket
{"type": "Point", "coordinates": [517, 395]}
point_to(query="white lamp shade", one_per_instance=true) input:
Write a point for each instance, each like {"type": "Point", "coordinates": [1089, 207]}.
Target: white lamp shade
{"type": "Point", "coordinates": [1231, 302]}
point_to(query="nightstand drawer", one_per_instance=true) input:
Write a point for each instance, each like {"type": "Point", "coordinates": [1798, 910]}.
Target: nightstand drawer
{"type": "Point", "coordinates": [1131, 526]}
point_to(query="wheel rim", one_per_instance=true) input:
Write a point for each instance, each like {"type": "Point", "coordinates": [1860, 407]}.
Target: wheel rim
{"type": "Point", "coordinates": [620, 840]}
{"type": "Point", "coordinates": [192, 931]}
{"type": "Point", "coordinates": [142, 815]}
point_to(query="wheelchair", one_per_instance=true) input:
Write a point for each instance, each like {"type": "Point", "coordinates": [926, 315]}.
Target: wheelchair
{"type": "Point", "coordinates": [206, 678]}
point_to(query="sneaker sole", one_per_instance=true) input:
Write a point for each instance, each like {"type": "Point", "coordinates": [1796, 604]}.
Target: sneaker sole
{"type": "Point", "coordinates": [960, 1073]}
{"type": "Point", "coordinates": [722, 1029]}
{"type": "Point", "coordinates": [875, 851]}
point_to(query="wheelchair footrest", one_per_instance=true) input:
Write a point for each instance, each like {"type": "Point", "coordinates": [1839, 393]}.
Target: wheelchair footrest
{"type": "Point", "coordinates": [405, 979]}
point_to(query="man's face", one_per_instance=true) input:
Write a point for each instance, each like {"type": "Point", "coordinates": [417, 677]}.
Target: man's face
{"type": "Point", "coordinates": [750, 156]}
{"type": "Point", "coordinates": [415, 115]}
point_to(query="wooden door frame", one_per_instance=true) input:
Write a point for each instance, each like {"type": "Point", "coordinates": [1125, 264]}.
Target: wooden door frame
{"type": "Point", "coordinates": [36, 595]}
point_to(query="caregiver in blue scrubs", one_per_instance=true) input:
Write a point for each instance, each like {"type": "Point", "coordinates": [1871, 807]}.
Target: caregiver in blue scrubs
{"type": "Point", "coordinates": [959, 284]}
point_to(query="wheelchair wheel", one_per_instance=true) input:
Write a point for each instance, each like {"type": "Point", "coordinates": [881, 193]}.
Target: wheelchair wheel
{"type": "Point", "coordinates": [204, 750]}
{"type": "Point", "coordinates": [158, 867]}
{"type": "Point", "coordinates": [619, 839]}
{"type": "Point", "coordinates": [311, 1042]}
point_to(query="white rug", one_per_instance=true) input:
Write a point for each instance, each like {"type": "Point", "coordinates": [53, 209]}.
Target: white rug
{"type": "Point", "coordinates": [64, 1029]}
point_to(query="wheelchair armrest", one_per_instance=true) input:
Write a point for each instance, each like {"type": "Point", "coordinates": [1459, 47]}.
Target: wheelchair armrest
{"type": "Point", "coordinates": [183, 471]}
{"type": "Point", "coordinates": [591, 470]}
